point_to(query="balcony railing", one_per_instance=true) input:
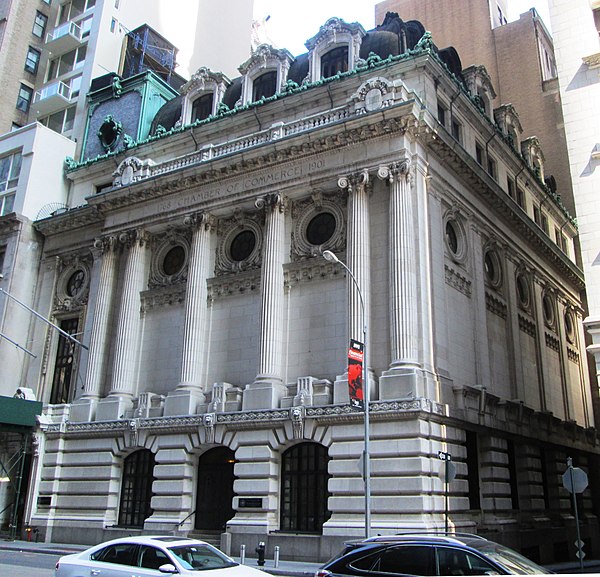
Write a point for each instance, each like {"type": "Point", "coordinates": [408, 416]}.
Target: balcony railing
{"type": "Point", "coordinates": [51, 98]}
{"type": "Point", "coordinates": [64, 38]}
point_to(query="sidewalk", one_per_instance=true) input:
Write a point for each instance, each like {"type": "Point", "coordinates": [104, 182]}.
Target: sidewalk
{"type": "Point", "coordinates": [286, 568]}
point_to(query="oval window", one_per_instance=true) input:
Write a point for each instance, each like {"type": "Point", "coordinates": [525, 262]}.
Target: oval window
{"type": "Point", "coordinates": [242, 246]}
{"type": "Point", "coordinates": [174, 260]}
{"type": "Point", "coordinates": [451, 237]}
{"type": "Point", "coordinates": [75, 283]}
{"type": "Point", "coordinates": [320, 229]}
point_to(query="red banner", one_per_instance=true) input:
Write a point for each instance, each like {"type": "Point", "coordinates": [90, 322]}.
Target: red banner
{"type": "Point", "coordinates": [355, 374]}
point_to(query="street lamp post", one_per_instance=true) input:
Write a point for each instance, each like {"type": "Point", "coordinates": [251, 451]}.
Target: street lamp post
{"type": "Point", "coordinates": [331, 257]}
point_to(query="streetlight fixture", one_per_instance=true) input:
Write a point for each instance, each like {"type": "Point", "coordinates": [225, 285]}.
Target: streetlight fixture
{"type": "Point", "coordinates": [331, 257]}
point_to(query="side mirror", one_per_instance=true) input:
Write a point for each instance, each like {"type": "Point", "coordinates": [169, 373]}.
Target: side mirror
{"type": "Point", "coordinates": [168, 568]}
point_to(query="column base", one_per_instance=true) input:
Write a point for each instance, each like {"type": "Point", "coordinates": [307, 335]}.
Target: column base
{"type": "Point", "coordinates": [341, 395]}
{"type": "Point", "coordinates": [183, 402]}
{"type": "Point", "coordinates": [407, 382]}
{"type": "Point", "coordinates": [264, 393]}
{"type": "Point", "coordinates": [114, 408]}
{"type": "Point", "coordinates": [83, 410]}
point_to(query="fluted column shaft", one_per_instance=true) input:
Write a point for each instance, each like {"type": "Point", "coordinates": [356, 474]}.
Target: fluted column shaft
{"type": "Point", "coordinates": [99, 338]}
{"type": "Point", "coordinates": [404, 329]}
{"type": "Point", "coordinates": [358, 252]}
{"type": "Point", "coordinates": [192, 365]}
{"type": "Point", "coordinates": [128, 330]}
{"type": "Point", "coordinates": [272, 297]}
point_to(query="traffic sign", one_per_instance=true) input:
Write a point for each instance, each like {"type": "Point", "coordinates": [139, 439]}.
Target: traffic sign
{"type": "Point", "coordinates": [448, 472]}
{"type": "Point", "coordinates": [444, 456]}
{"type": "Point", "coordinates": [575, 480]}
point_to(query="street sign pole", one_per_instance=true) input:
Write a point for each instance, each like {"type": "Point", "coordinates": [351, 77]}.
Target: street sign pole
{"type": "Point", "coordinates": [449, 473]}
{"type": "Point", "coordinates": [574, 494]}
{"type": "Point", "coordinates": [447, 499]}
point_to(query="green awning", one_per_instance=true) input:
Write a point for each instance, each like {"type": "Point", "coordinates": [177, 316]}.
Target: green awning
{"type": "Point", "coordinates": [19, 412]}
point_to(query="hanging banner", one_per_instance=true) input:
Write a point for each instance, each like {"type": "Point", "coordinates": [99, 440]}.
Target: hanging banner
{"type": "Point", "coordinates": [355, 374]}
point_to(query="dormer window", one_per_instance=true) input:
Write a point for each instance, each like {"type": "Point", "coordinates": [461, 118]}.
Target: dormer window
{"type": "Point", "coordinates": [202, 107]}
{"type": "Point", "coordinates": [264, 85]}
{"type": "Point", "coordinates": [334, 62]}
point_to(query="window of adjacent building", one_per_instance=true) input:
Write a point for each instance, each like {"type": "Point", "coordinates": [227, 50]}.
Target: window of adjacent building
{"type": "Point", "coordinates": [334, 62]}
{"type": "Point", "coordinates": [10, 168]}
{"type": "Point", "coordinates": [113, 25]}
{"type": "Point", "coordinates": [456, 130]}
{"type": "Point", "coordinates": [32, 60]}
{"type": "Point", "coordinates": [62, 389]}
{"type": "Point", "coordinates": [66, 63]}
{"type": "Point", "coordinates": [72, 10]}
{"type": "Point", "coordinates": [202, 107]}
{"type": "Point", "coordinates": [548, 64]}
{"type": "Point", "coordinates": [2, 257]}
{"type": "Point", "coordinates": [304, 492]}
{"type": "Point", "coordinates": [24, 98]}
{"type": "Point", "coordinates": [136, 489]}
{"type": "Point", "coordinates": [15, 126]}
{"type": "Point", "coordinates": [61, 121]}
{"type": "Point", "coordinates": [39, 25]}
{"type": "Point", "coordinates": [265, 85]}
{"type": "Point", "coordinates": [86, 26]}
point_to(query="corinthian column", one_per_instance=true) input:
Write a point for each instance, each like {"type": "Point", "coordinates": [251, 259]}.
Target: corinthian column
{"type": "Point", "coordinates": [83, 409]}
{"type": "Point", "coordinates": [403, 378]}
{"type": "Point", "coordinates": [192, 366]}
{"type": "Point", "coordinates": [99, 338]}
{"type": "Point", "coordinates": [267, 389]}
{"type": "Point", "coordinates": [190, 391]}
{"type": "Point", "coordinates": [128, 328]}
{"type": "Point", "coordinates": [358, 252]}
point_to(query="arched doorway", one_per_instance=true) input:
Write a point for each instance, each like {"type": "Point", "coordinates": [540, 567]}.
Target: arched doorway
{"type": "Point", "coordinates": [304, 493]}
{"type": "Point", "coordinates": [214, 494]}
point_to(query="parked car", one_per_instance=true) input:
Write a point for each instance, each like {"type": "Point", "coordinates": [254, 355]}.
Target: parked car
{"type": "Point", "coordinates": [428, 554]}
{"type": "Point", "coordinates": [152, 556]}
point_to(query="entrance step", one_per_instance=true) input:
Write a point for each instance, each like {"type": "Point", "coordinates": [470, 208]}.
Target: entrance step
{"type": "Point", "coordinates": [210, 536]}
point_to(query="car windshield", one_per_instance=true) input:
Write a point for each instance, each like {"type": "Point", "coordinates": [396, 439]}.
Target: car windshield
{"type": "Point", "coordinates": [513, 562]}
{"type": "Point", "coordinates": [200, 557]}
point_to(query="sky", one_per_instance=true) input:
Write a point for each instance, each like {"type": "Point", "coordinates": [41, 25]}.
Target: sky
{"type": "Point", "coordinates": [292, 23]}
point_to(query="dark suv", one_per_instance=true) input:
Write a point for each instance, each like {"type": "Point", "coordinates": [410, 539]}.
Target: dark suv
{"type": "Point", "coordinates": [428, 554]}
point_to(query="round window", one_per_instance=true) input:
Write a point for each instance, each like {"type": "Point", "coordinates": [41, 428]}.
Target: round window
{"type": "Point", "coordinates": [320, 229]}
{"type": "Point", "coordinates": [451, 237]}
{"type": "Point", "coordinates": [523, 290]}
{"type": "Point", "coordinates": [75, 283]}
{"type": "Point", "coordinates": [569, 326]}
{"type": "Point", "coordinates": [491, 266]}
{"type": "Point", "coordinates": [548, 309]}
{"type": "Point", "coordinates": [174, 260]}
{"type": "Point", "coordinates": [242, 246]}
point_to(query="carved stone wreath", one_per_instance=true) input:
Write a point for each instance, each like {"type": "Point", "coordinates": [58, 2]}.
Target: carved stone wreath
{"type": "Point", "coordinates": [159, 277]}
{"type": "Point", "coordinates": [304, 211]}
{"type": "Point", "coordinates": [227, 231]}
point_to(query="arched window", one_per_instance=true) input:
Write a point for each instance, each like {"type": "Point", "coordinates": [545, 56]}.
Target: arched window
{"type": "Point", "coordinates": [265, 85]}
{"type": "Point", "coordinates": [136, 489]}
{"type": "Point", "coordinates": [304, 488]}
{"type": "Point", "coordinates": [334, 61]}
{"type": "Point", "coordinates": [202, 107]}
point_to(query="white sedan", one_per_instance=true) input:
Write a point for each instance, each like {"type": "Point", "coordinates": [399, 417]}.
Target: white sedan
{"type": "Point", "coordinates": [157, 555]}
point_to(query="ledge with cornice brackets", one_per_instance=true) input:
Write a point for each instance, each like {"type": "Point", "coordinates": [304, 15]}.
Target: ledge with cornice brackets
{"type": "Point", "coordinates": [162, 297]}
{"type": "Point", "coordinates": [73, 219]}
{"type": "Point", "coordinates": [233, 285]}
{"type": "Point", "coordinates": [316, 269]}
{"type": "Point", "coordinates": [496, 305]}
{"type": "Point", "coordinates": [457, 281]}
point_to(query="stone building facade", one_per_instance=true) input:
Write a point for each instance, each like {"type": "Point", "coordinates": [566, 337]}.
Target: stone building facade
{"type": "Point", "coordinates": [213, 394]}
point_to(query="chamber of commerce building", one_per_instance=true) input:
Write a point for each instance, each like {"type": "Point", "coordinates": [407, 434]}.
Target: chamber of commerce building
{"type": "Point", "coordinates": [211, 394]}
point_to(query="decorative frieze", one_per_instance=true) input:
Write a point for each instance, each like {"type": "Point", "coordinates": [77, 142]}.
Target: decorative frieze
{"type": "Point", "coordinates": [552, 342]}
{"type": "Point", "coordinates": [309, 271]}
{"type": "Point", "coordinates": [457, 281]}
{"type": "Point", "coordinates": [573, 355]}
{"type": "Point", "coordinates": [162, 297]}
{"type": "Point", "coordinates": [243, 283]}
{"type": "Point", "coordinates": [527, 326]}
{"type": "Point", "coordinates": [495, 305]}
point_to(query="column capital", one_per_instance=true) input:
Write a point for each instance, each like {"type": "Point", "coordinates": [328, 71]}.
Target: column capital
{"type": "Point", "coordinates": [357, 179]}
{"type": "Point", "coordinates": [271, 202]}
{"type": "Point", "coordinates": [104, 244]}
{"type": "Point", "coordinates": [199, 220]}
{"type": "Point", "coordinates": [134, 236]}
{"type": "Point", "coordinates": [395, 171]}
